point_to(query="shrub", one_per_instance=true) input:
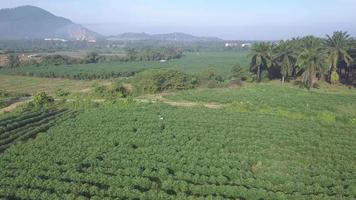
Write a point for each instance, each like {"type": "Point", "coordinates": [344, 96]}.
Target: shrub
{"type": "Point", "coordinates": [210, 78]}
{"type": "Point", "coordinates": [125, 90]}
{"type": "Point", "coordinates": [334, 77]}
{"type": "Point", "coordinates": [93, 57]}
{"type": "Point", "coordinates": [239, 73]}
{"type": "Point", "coordinates": [61, 93]}
{"type": "Point", "coordinates": [106, 92]}
{"type": "Point", "coordinates": [41, 99]}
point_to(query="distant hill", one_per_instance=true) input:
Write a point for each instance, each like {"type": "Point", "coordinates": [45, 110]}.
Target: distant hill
{"type": "Point", "coordinates": [29, 22]}
{"type": "Point", "coordinates": [162, 37]}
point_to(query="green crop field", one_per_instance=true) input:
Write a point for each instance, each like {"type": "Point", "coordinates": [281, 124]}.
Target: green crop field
{"type": "Point", "coordinates": [194, 63]}
{"type": "Point", "coordinates": [157, 151]}
{"type": "Point", "coordinates": [239, 111]}
{"type": "Point", "coordinates": [18, 128]}
{"type": "Point", "coordinates": [31, 85]}
{"type": "Point", "coordinates": [265, 97]}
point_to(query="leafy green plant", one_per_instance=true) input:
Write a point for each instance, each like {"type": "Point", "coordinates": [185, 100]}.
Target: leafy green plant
{"type": "Point", "coordinates": [42, 98]}
{"type": "Point", "coordinates": [61, 93]}
{"type": "Point", "coordinates": [334, 78]}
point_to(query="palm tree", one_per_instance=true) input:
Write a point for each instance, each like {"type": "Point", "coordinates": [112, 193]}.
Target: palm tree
{"type": "Point", "coordinates": [338, 45]}
{"type": "Point", "coordinates": [286, 58]}
{"type": "Point", "coordinates": [261, 58]}
{"type": "Point", "coordinates": [312, 59]}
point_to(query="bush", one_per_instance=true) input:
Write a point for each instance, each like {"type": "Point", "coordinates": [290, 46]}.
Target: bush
{"type": "Point", "coordinates": [41, 99]}
{"type": "Point", "coordinates": [154, 81]}
{"type": "Point", "coordinates": [236, 83]}
{"type": "Point", "coordinates": [94, 57]}
{"type": "Point", "coordinates": [123, 89]}
{"type": "Point", "coordinates": [334, 77]}
{"type": "Point", "coordinates": [239, 73]}
{"type": "Point", "coordinates": [107, 92]}
{"type": "Point", "coordinates": [58, 60]}
{"type": "Point", "coordinates": [61, 93]}
{"type": "Point", "coordinates": [210, 78]}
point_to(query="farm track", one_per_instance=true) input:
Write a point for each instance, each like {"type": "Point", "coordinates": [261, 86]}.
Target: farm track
{"type": "Point", "coordinates": [160, 98]}
{"type": "Point", "coordinates": [15, 104]}
{"type": "Point", "coordinates": [146, 99]}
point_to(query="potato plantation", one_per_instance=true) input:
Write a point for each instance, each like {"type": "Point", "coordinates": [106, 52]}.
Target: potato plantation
{"type": "Point", "coordinates": [156, 151]}
{"type": "Point", "coordinates": [19, 128]}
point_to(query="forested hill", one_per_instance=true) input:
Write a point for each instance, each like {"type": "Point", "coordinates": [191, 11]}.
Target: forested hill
{"type": "Point", "coordinates": [29, 22]}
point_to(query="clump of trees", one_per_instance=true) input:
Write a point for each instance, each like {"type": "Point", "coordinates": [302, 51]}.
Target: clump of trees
{"type": "Point", "coordinates": [90, 58]}
{"type": "Point", "coordinates": [310, 58]}
{"type": "Point", "coordinates": [211, 78]}
{"type": "Point", "coordinates": [41, 99]}
{"type": "Point", "coordinates": [164, 53]}
{"type": "Point", "coordinates": [94, 57]}
{"type": "Point", "coordinates": [153, 81]}
{"type": "Point", "coordinates": [13, 61]}
{"type": "Point", "coordinates": [59, 60]}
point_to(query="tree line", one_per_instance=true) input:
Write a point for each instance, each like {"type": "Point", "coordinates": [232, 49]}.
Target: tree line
{"type": "Point", "coordinates": [310, 58]}
{"type": "Point", "coordinates": [167, 53]}
{"type": "Point", "coordinates": [164, 53]}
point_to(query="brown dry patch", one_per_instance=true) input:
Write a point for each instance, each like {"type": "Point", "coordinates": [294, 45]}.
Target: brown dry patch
{"type": "Point", "coordinates": [161, 98]}
{"type": "Point", "coordinates": [256, 167]}
{"type": "Point", "coordinates": [85, 90]}
{"type": "Point", "coordinates": [12, 106]}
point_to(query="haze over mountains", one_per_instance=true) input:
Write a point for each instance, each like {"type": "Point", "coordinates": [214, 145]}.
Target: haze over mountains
{"type": "Point", "coordinates": [29, 22]}
{"type": "Point", "coordinates": [165, 37]}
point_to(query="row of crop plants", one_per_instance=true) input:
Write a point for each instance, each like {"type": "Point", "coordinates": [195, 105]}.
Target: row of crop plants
{"type": "Point", "coordinates": [153, 152]}
{"type": "Point", "coordinates": [28, 125]}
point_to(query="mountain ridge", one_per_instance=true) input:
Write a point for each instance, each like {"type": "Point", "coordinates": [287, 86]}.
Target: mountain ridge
{"type": "Point", "coordinates": [176, 36]}
{"type": "Point", "coordinates": [30, 22]}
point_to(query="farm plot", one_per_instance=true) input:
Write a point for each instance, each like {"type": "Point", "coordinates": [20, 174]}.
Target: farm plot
{"type": "Point", "coordinates": [20, 128]}
{"type": "Point", "coordinates": [194, 63]}
{"type": "Point", "coordinates": [154, 151]}
{"type": "Point", "coordinates": [266, 96]}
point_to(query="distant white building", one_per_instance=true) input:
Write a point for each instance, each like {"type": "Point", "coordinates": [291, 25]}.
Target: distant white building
{"type": "Point", "coordinates": [32, 56]}
{"type": "Point", "coordinates": [246, 45]}
{"type": "Point", "coordinates": [55, 39]}
{"type": "Point", "coordinates": [232, 44]}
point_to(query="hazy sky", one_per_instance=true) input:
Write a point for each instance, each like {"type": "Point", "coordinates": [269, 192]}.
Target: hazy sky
{"type": "Point", "coordinates": [228, 19]}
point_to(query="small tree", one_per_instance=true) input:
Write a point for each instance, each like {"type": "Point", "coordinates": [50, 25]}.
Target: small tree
{"type": "Point", "coordinates": [132, 54]}
{"type": "Point", "coordinates": [286, 58]}
{"type": "Point", "coordinates": [14, 61]}
{"type": "Point", "coordinates": [312, 60]}
{"type": "Point", "coordinates": [338, 45]}
{"type": "Point", "coordinates": [92, 57]}
{"type": "Point", "coordinates": [41, 99]}
{"type": "Point", "coordinates": [239, 73]}
{"type": "Point", "coordinates": [261, 58]}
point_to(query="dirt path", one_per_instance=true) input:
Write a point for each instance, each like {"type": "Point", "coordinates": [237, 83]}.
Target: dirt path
{"type": "Point", "coordinates": [12, 106]}
{"type": "Point", "coordinates": [162, 99]}
{"type": "Point", "coordinates": [144, 99]}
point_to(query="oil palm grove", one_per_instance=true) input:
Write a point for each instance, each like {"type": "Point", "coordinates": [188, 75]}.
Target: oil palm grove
{"type": "Point", "coordinates": [306, 59]}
